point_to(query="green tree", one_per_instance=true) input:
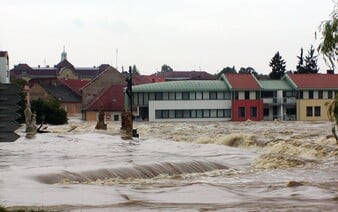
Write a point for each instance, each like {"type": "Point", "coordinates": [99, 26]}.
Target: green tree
{"type": "Point", "coordinates": [332, 113]}
{"type": "Point", "coordinates": [278, 67]}
{"type": "Point", "coordinates": [49, 112]}
{"type": "Point", "coordinates": [248, 70]}
{"type": "Point", "coordinates": [311, 62]}
{"type": "Point", "coordinates": [300, 67]}
{"type": "Point", "coordinates": [135, 71]}
{"type": "Point", "coordinates": [227, 70]}
{"type": "Point", "coordinates": [166, 68]}
{"type": "Point", "coordinates": [328, 46]}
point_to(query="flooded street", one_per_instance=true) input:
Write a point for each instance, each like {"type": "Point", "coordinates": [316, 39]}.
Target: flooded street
{"type": "Point", "coordinates": [173, 167]}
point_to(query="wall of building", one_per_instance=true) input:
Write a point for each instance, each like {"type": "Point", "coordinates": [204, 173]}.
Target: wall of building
{"type": "Point", "coordinates": [109, 116]}
{"type": "Point", "coordinates": [37, 92]}
{"type": "Point", "coordinates": [4, 69]}
{"type": "Point", "coordinates": [247, 105]}
{"type": "Point", "coordinates": [72, 108]}
{"type": "Point", "coordinates": [304, 115]}
{"type": "Point", "coordinates": [105, 80]}
{"type": "Point", "coordinates": [189, 105]}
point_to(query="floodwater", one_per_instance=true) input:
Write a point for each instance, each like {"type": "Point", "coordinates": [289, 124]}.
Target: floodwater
{"type": "Point", "coordinates": [205, 166]}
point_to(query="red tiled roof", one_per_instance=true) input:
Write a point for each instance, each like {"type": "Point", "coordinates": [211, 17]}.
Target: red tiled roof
{"type": "Point", "coordinates": [242, 81]}
{"type": "Point", "coordinates": [75, 85]}
{"type": "Point", "coordinates": [144, 79]}
{"type": "Point", "coordinates": [323, 81]}
{"type": "Point", "coordinates": [111, 99]}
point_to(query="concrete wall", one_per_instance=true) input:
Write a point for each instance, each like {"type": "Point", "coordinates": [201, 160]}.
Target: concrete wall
{"type": "Point", "coordinates": [188, 105]}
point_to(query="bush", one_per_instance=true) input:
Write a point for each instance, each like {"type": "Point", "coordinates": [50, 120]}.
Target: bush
{"type": "Point", "coordinates": [49, 112]}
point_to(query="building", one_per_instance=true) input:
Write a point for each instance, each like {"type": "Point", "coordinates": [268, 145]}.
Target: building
{"type": "Point", "coordinates": [185, 75]}
{"type": "Point", "coordinates": [192, 100]}
{"type": "Point", "coordinates": [245, 94]}
{"type": "Point", "coordinates": [279, 98]}
{"type": "Point", "coordinates": [4, 67]}
{"type": "Point", "coordinates": [314, 91]}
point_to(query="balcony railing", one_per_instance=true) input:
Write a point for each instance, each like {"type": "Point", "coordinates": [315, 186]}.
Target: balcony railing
{"type": "Point", "coordinates": [279, 101]}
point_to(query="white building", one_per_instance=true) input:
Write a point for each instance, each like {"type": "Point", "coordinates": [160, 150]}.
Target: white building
{"type": "Point", "coordinates": [4, 67]}
{"type": "Point", "coordinates": [192, 100]}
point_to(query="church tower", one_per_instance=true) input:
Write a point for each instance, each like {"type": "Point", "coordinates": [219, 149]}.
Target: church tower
{"type": "Point", "coordinates": [63, 54]}
{"type": "Point", "coordinates": [4, 67]}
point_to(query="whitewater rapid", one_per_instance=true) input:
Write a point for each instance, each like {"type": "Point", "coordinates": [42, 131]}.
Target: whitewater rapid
{"type": "Point", "coordinates": [173, 166]}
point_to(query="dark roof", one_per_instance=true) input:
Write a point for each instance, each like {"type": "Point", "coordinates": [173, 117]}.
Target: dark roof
{"type": "Point", "coordinates": [111, 99]}
{"type": "Point", "coordinates": [61, 92]}
{"type": "Point", "coordinates": [64, 63]}
{"type": "Point", "coordinates": [242, 81]}
{"type": "Point", "coordinates": [314, 81]}
{"type": "Point", "coordinates": [186, 75]}
{"type": "Point", "coordinates": [3, 54]}
{"type": "Point", "coordinates": [75, 85]}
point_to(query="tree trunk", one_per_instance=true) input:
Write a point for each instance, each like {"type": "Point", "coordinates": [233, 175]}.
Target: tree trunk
{"type": "Point", "coordinates": [335, 133]}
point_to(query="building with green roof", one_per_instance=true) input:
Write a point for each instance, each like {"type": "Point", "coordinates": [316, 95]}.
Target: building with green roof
{"type": "Point", "coordinates": [192, 100]}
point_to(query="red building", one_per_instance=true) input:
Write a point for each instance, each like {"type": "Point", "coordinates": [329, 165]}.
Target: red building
{"type": "Point", "coordinates": [246, 101]}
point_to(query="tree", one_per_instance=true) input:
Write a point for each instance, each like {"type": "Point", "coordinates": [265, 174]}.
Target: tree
{"type": "Point", "coordinates": [166, 68]}
{"type": "Point", "coordinates": [328, 46]}
{"type": "Point", "coordinates": [227, 70]}
{"type": "Point", "coordinates": [300, 67]}
{"type": "Point", "coordinates": [311, 62]}
{"type": "Point", "coordinates": [135, 71]}
{"type": "Point", "coordinates": [49, 112]}
{"type": "Point", "coordinates": [278, 67]}
{"type": "Point", "coordinates": [332, 113]}
{"type": "Point", "coordinates": [248, 70]}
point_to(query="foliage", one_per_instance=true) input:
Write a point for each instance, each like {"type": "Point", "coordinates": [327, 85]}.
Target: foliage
{"type": "Point", "coordinates": [227, 70]}
{"type": "Point", "coordinates": [332, 113]}
{"type": "Point", "coordinates": [309, 64]}
{"type": "Point", "coordinates": [135, 71]}
{"type": "Point", "coordinates": [22, 103]}
{"type": "Point", "coordinates": [49, 112]}
{"type": "Point", "coordinates": [248, 70]}
{"type": "Point", "coordinates": [328, 46]}
{"type": "Point", "coordinates": [278, 67]}
{"type": "Point", "coordinates": [166, 68]}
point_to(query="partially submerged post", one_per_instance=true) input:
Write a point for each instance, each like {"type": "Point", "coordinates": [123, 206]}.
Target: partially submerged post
{"type": "Point", "coordinates": [127, 114]}
{"type": "Point", "coordinates": [100, 125]}
{"type": "Point", "coordinates": [29, 116]}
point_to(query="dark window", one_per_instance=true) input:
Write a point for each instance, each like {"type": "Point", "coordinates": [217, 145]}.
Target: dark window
{"type": "Point", "coordinates": [116, 117]}
{"type": "Point", "coordinates": [301, 95]}
{"type": "Point", "coordinates": [267, 94]}
{"type": "Point", "coordinates": [165, 114]}
{"type": "Point", "coordinates": [186, 96]}
{"type": "Point", "coordinates": [158, 114]}
{"type": "Point", "coordinates": [247, 95]}
{"type": "Point", "coordinates": [220, 113]}
{"type": "Point", "coordinates": [317, 111]}
{"type": "Point", "coordinates": [206, 113]}
{"type": "Point", "coordinates": [320, 94]}
{"type": "Point", "coordinates": [165, 96]}
{"type": "Point", "coordinates": [329, 94]}
{"type": "Point", "coordinates": [235, 95]}
{"type": "Point", "coordinates": [178, 113]}
{"type": "Point", "coordinates": [309, 111]}
{"type": "Point", "coordinates": [186, 113]}
{"type": "Point", "coordinates": [310, 94]}
{"type": "Point", "coordinates": [199, 113]}
{"type": "Point", "coordinates": [158, 96]}
{"type": "Point", "coordinates": [227, 113]}
{"type": "Point", "coordinates": [266, 112]}
{"type": "Point", "coordinates": [241, 112]}
{"type": "Point", "coordinates": [212, 95]}
{"type": "Point", "coordinates": [213, 113]}
{"type": "Point", "coordinates": [253, 111]}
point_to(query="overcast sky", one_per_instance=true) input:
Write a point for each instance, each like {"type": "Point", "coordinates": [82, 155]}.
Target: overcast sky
{"type": "Point", "coordinates": [185, 34]}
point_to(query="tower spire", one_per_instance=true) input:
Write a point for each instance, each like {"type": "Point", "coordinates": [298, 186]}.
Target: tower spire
{"type": "Point", "coordinates": [64, 54]}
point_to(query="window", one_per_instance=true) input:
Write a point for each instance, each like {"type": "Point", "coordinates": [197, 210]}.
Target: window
{"type": "Point", "coordinates": [116, 117]}
{"type": "Point", "coordinates": [329, 94]}
{"type": "Point", "coordinates": [165, 96]}
{"type": "Point", "coordinates": [227, 113]}
{"type": "Point", "coordinates": [266, 112]}
{"type": "Point", "coordinates": [172, 96]}
{"type": "Point", "coordinates": [186, 113]}
{"type": "Point", "coordinates": [206, 113]}
{"type": "Point", "coordinates": [186, 96]}
{"type": "Point", "coordinates": [241, 112]}
{"type": "Point", "coordinates": [192, 96]}
{"type": "Point", "coordinates": [178, 113]}
{"type": "Point", "coordinates": [158, 114]}
{"type": "Point", "coordinates": [227, 95]}
{"type": "Point", "coordinates": [212, 95]}
{"type": "Point", "coordinates": [165, 114]}
{"type": "Point", "coordinates": [193, 113]}
{"type": "Point", "coordinates": [199, 95]}
{"type": "Point", "coordinates": [151, 96]}
{"type": "Point", "coordinates": [220, 95]}
{"type": "Point", "coordinates": [308, 111]}
{"type": "Point", "coordinates": [320, 94]}
{"type": "Point", "coordinates": [140, 99]}
{"type": "Point", "coordinates": [213, 113]}
{"type": "Point", "coordinates": [178, 96]}
{"type": "Point", "coordinates": [146, 100]}
{"type": "Point", "coordinates": [301, 95]}
{"type": "Point", "coordinates": [246, 95]}
{"type": "Point", "coordinates": [171, 114]}
{"type": "Point", "coordinates": [317, 111]}
{"type": "Point", "coordinates": [310, 94]}
{"type": "Point", "coordinates": [220, 113]}
{"type": "Point", "coordinates": [199, 113]}
{"type": "Point", "coordinates": [206, 95]}
{"type": "Point", "coordinates": [158, 96]}
{"type": "Point", "coordinates": [253, 111]}
{"type": "Point", "coordinates": [235, 95]}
